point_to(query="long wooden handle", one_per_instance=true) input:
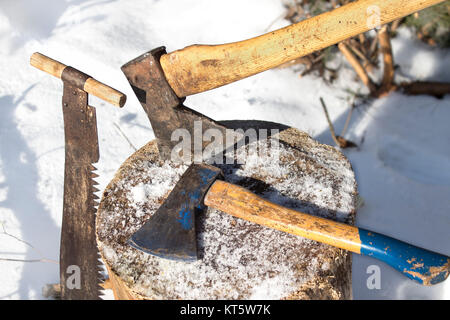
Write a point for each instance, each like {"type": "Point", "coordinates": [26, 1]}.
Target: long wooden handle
{"type": "Point", "coordinates": [419, 264]}
{"type": "Point", "coordinates": [92, 86]}
{"type": "Point", "coordinates": [200, 68]}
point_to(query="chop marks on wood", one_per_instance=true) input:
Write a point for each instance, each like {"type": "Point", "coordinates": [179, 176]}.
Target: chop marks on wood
{"type": "Point", "coordinates": [325, 286]}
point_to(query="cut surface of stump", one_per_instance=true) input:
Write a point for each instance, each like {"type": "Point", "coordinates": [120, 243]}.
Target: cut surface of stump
{"type": "Point", "coordinates": [237, 259]}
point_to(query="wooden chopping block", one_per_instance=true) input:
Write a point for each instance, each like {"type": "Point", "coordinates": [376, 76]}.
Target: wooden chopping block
{"type": "Point", "coordinates": [237, 259]}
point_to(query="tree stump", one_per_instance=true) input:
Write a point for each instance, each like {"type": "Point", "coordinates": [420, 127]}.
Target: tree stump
{"type": "Point", "coordinates": [237, 259]}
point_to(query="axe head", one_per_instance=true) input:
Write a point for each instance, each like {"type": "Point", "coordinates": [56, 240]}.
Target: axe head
{"type": "Point", "coordinates": [170, 231]}
{"type": "Point", "coordinates": [164, 109]}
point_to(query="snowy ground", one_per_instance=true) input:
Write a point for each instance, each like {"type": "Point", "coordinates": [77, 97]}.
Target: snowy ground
{"type": "Point", "coordinates": [402, 165]}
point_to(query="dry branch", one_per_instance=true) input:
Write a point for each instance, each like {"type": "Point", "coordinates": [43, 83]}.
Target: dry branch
{"type": "Point", "coordinates": [387, 84]}
{"type": "Point", "coordinates": [368, 65]}
{"type": "Point", "coordinates": [5, 232]}
{"type": "Point", "coordinates": [436, 89]}
{"type": "Point", "coordinates": [395, 25]}
{"type": "Point", "coordinates": [362, 52]}
{"type": "Point", "coordinates": [339, 140]}
{"type": "Point", "coordinates": [330, 124]}
{"type": "Point", "coordinates": [347, 120]}
{"type": "Point", "coordinates": [359, 69]}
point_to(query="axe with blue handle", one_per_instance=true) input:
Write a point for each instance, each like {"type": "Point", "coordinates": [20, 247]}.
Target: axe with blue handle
{"type": "Point", "coordinates": [170, 231]}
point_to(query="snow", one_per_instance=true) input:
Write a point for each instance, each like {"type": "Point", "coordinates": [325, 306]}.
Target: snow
{"type": "Point", "coordinates": [239, 260]}
{"type": "Point", "coordinates": [402, 164]}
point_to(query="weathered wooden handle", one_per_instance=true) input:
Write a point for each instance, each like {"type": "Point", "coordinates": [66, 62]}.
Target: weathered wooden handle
{"type": "Point", "coordinates": [92, 86]}
{"type": "Point", "coordinates": [421, 265]}
{"type": "Point", "coordinates": [200, 68]}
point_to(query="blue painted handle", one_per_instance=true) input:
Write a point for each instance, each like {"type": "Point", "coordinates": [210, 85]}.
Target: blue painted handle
{"type": "Point", "coordinates": [423, 266]}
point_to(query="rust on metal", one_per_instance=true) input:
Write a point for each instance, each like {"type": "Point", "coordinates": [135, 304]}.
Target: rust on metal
{"type": "Point", "coordinates": [79, 257]}
{"type": "Point", "coordinates": [164, 108]}
{"type": "Point", "coordinates": [74, 77]}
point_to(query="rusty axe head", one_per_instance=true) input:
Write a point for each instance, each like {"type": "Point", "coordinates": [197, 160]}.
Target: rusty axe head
{"type": "Point", "coordinates": [170, 231]}
{"type": "Point", "coordinates": [163, 107]}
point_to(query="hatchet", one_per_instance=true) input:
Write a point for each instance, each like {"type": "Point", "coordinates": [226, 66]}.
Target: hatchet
{"type": "Point", "coordinates": [162, 80]}
{"type": "Point", "coordinates": [170, 231]}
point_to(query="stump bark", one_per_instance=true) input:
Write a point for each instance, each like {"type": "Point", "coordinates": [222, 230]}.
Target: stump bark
{"type": "Point", "coordinates": [237, 259]}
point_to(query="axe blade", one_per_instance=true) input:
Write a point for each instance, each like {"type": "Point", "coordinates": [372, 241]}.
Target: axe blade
{"type": "Point", "coordinates": [170, 232]}
{"type": "Point", "coordinates": [164, 108]}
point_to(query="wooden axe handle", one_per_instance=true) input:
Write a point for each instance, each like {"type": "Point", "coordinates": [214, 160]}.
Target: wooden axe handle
{"type": "Point", "coordinates": [92, 86]}
{"type": "Point", "coordinates": [200, 68]}
{"type": "Point", "coordinates": [416, 263]}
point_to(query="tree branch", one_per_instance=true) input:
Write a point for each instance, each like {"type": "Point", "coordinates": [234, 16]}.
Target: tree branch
{"type": "Point", "coordinates": [359, 69]}
{"type": "Point", "coordinates": [330, 125]}
{"type": "Point", "coordinates": [28, 244]}
{"type": "Point", "coordinates": [387, 84]}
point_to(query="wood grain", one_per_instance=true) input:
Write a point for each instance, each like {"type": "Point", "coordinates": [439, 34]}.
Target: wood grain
{"type": "Point", "coordinates": [91, 86]}
{"type": "Point", "coordinates": [200, 68]}
{"type": "Point", "coordinates": [387, 83]}
{"type": "Point", "coordinates": [118, 286]}
{"type": "Point", "coordinates": [244, 204]}
{"type": "Point", "coordinates": [105, 92]}
{"type": "Point", "coordinates": [46, 64]}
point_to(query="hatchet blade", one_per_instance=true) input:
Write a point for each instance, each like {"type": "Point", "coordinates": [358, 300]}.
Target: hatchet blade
{"type": "Point", "coordinates": [170, 232]}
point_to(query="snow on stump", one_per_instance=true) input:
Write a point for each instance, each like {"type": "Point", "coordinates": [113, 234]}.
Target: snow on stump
{"type": "Point", "coordinates": [237, 259]}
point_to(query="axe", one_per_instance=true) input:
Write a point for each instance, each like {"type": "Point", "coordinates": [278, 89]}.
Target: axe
{"type": "Point", "coordinates": [162, 80]}
{"type": "Point", "coordinates": [170, 231]}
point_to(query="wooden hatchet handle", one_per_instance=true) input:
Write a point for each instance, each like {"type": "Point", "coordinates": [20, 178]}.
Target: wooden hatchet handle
{"type": "Point", "coordinates": [421, 265]}
{"type": "Point", "coordinates": [200, 68]}
{"type": "Point", "coordinates": [92, 86]}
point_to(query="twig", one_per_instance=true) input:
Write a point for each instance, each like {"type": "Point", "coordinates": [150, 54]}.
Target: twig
{"type": "Point", "coordinates": [18, 239]}
{"type": "Point", "coordinates": [387, 83]}
{"type": "Point", "coordinates": [124, 135]}
{"type": "Point", "coordinates": [362, 40]}
{"type": "Point", "coordinates": [347, 121]}
{"type": "Point", "coordinates": [31, 260]}
{"type": "Point", "coordinates": [339, 140]}
{"type": "Point", "coordinates": [437, 89]}
{"type": "Point", "coordinates": [28, 244]}
{"type": "Point", "coordinates": [373, 48]}
{"type": "Point", "coordinates": [330, 125]}
{"type": "Point", "coordinates": [395, 24]}
{"type": "Point", "coordinates": [368, 65]}
{"type": "Point", "coordinates": [303, 60]}
{"type": "Point", "coordinates": [359, 69]}
{"type": "Point", "coordinates": [318, 58]}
